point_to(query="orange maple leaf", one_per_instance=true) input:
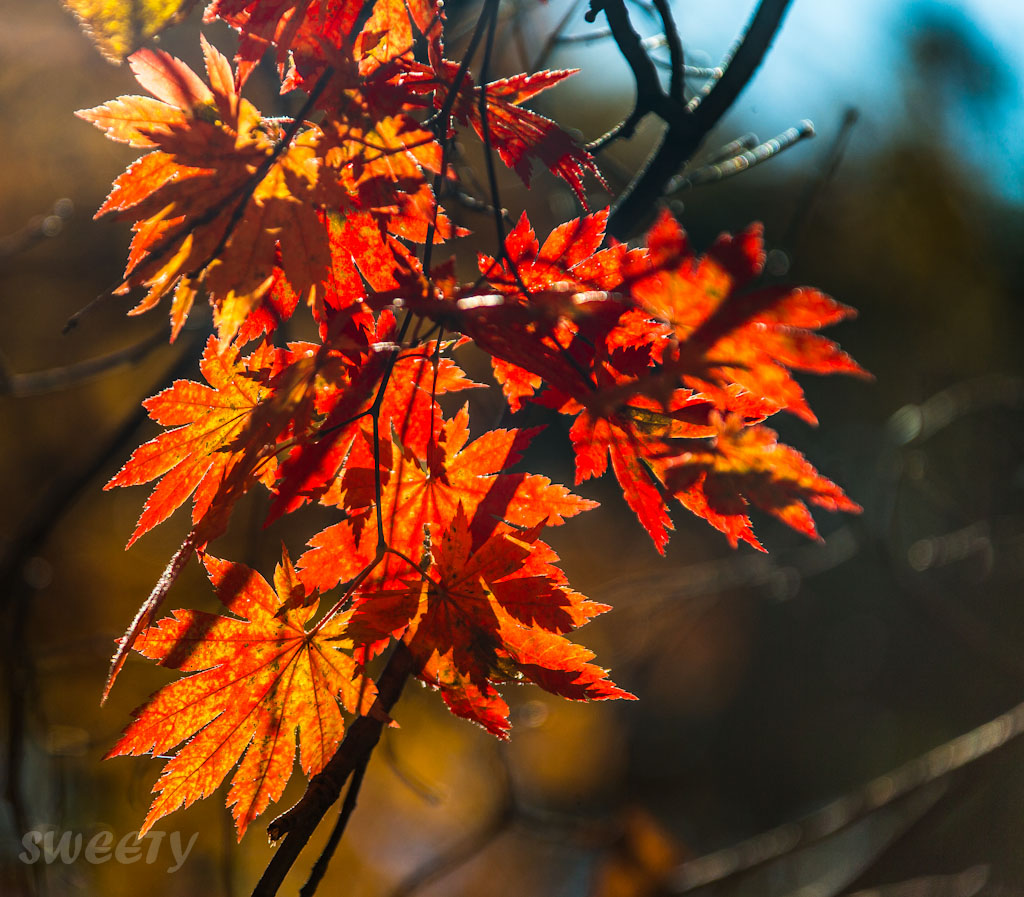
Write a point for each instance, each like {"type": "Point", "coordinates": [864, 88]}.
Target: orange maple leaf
{"type": "Point", "coordinates": [212, 437]}
{"type": "Point", "coordinates": [742, 466]}
{"type": "Point", "coordinates": [419, 497]}
{"type": "Point", "coordinates": [255, 679]}
{"type": "Point", "coordinates": [219, 199]}
{"type": "Point", "coordinates": [485, 614]}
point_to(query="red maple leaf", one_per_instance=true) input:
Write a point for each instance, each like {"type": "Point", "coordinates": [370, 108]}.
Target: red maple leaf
{"type": "Point", "coordinates": [524, 138]}
{"type": "Point", "coordinates": [728, 333]}
{"type": "Point", "coordinates": [263, 23]}
{"type": "Point", "coordinates": [484, 614]}
{"type": "Point", "coordinates": [742, 466]}
{"type": "Point", "coordinates": [256, 678]}
{"type": "Point", "coordinates": [420, 496]}
{"type": "Point", "coordinates": [544, 313]}
{"type": "Point", "coordinates": [633, 438]}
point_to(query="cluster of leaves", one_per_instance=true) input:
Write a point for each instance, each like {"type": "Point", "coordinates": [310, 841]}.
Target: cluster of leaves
{"type": "Point", "coordinates": [669, 363]}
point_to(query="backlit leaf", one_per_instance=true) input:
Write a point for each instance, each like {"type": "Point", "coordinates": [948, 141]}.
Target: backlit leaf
{"type": "Point", "coordinates": [260, 681]}
{"type": "Point", "coordinates": [120, 27]}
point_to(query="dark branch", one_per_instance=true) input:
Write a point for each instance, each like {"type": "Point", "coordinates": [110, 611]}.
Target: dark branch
{"type": "Point", "coordinates": [649, 94]}
{"type": "Point", "coordinates": [38, 382]}
{"type": "Point", "coordinates": [675, 51]}
{"type": "Point", "coordinates": [840, 814]}
{"type": "Point", "coordinates": [687, 130]}
{"type": "Point", "coordinates": [347, 807]}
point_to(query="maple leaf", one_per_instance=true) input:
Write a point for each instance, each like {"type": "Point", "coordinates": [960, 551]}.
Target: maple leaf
{"type": "Point", "coordinates": [611, 343]}
{"type": "Point", "coordinates": [263, 23]}
{"type": "Point", "coordinates": [746, 465]}
{"type": "Point", "coordinates": [211, 439]}
{"type": "Point", "coordinates": [408, 408]}
{"type": "Point", "coordinates": [570, 257]}
{"type": "Point", "coordinates": [421, 496]}
{"type": "Point", "coordinates": [634, 438]}
{"type": "Point", "coordinates": [487, 613]}
{"type": "Point", "coordinates": [314, 461]}
{"type": "Point", "coordinates": [522, 137]}
{"type": "Point", "coordinates": [551, 293]}
{"type": "Point", "coordinates": [727, 334]}
{"type": "Point", "coordinates": [345, 399]}
{"type": "Point", "coordinates": [257, 678]}
{"type": "Point", "coordinates": [715, 462]}
{"type": "Point", "coordinates": [220, 199]}
{"type": "Point", "coordinates": [120, 27]}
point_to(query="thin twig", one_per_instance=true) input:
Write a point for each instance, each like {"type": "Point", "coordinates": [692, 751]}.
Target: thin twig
{"type": "Point", "coordinates": [732, 148]}
{"type": "Point", "coordinates": [53, 379]}
{"type": "Point", "coordinates": [491, 10]}
{"type": "Point", "coordinates": [347, 806]}
{"type": "Point", "coordinates": [37, 229]}
{"type": "Point", "coordinates": [554, 37]}
{"type": "Point", "coordinates": [809, 199]}
{"type": "Point", "coordinates": [466, 847]}
{"type": "Point", "coordinates": [709, 174]}
{"type": "Point", "coordinates": [840, 814]}
{"type": "Point", "coordinates": [460, 853]}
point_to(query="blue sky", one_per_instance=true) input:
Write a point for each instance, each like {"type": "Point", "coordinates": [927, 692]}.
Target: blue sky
{"type": "Point", "coordinates": [832, 53]}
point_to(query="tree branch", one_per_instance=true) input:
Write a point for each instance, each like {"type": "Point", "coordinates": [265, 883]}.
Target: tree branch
{"type": "Point", "coordinates": [675, 51]}
{"type": "Point", "coordinates": [649, 94]}
{"type": "Point", "coordinates": [843, 812]}
{"type": "Point", "coordinates": [727, 168]}
{"type": "Point", "coordinates": [349, 805]}
{"type": "Point", "coordinates": [688, 128]}
{"type": "Point", "coordinates": [53, 379]}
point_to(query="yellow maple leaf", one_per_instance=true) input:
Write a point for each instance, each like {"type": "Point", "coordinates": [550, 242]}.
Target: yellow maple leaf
{"type": "Point", "coordinates": [120, 27]}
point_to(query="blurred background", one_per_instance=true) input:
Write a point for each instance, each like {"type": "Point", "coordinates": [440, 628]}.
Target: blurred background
{"type": "Point", "coordinates": [788, 703]}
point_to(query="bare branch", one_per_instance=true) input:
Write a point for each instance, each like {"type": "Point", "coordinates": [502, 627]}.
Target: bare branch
{"type": "Point", "coordinates": [467, 847]}
{"type": "Point", "coordinates": [840, 814]}
{"type": "Point", "coordinates": [38, 382]}
{"type": "Point", "coordinates": [732, 148]}
{"type": "Point", "coordinates": [727, 168]}
{"type": "Point", "coordinates": [37, 228]}
{"type": "Point", "coordinates": [649, 94]}
{"type": "Point", "coordinates": [687, 130]}
{"type": "Point", "coordinates": [675, 51]}
{"type": "Point", "coordinates": [347, 807]}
